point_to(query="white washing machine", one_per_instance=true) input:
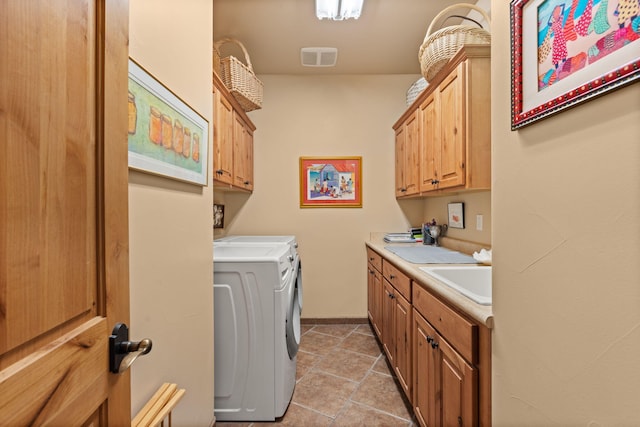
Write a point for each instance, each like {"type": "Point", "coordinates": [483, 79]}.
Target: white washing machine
{"type": "Point", "coordinates": [289, 240]}
{"type": "Point", "coordinates": [255, 306]}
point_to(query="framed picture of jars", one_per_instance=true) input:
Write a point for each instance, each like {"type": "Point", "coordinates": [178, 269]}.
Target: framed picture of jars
{"type": "Point", "coordinates": [166, 136]}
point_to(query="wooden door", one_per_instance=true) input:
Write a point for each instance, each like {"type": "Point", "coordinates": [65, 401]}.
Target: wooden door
{"type": "Point", "coordinates": [402, 326]}
{"type": "Point", "coordinates": [242, 153]}
{"type": "Point", "coordinates": [400, 155]}
{"type": "Point", "coordinates": [412, 155]}
{"type": "Point", "coordinates": [223, 139]}
{"type": "Point", "coordinates": [430, 138]}
{"type": "Point", "coordinates": [378, 292]}
{"type": "Point", "coordinates": [451, 152]}
{"type": "Point", "coordinates": [370, 293]}
{"type": "Point", "coordinates": [424, 399]}
{"type": "Point", "coordinates": [388, 306]}
{"type": "Point", "coordinates": [63, 210]}
{"type": "Point", "coordinates": [458, 387]}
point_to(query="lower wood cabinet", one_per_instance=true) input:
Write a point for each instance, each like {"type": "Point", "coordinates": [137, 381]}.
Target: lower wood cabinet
{"type": "Point", "coordinates": [396, 315]}
{"type": "Point", "coordinates": [445, 386]}
{"type": "Point", "coordinates": [441, 358]}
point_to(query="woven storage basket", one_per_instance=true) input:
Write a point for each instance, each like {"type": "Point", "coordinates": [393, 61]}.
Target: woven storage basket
{"type": "Point", "coordinates": [216, 61]}
{"type": "Point", "coordinates": [438, 48]}
{"type": "Point", "coordinates": [416, 89]}
{"type": "Point", "coordinates": [239, 78]}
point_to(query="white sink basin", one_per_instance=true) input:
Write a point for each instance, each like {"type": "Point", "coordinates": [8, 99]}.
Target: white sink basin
{"type": "Point", "coordinates": [472, 282]}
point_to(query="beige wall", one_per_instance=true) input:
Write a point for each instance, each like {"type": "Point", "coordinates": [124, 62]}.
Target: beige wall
{"type": "Point", "coordinates": [171, 222]}
{"type": "Point", "coordinates": [325, 116]}
{"type": "Point", "coordinates": [476, 203]}
{"type": "Point", "coordinates": [566, 245]}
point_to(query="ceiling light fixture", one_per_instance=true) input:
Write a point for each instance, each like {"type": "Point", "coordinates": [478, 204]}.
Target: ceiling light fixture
{"type": "Point", "coordinates": [338, 10]}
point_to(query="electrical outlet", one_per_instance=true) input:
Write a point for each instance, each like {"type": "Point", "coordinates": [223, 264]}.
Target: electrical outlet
{"type": "Point", "coordinates": [479, 219]}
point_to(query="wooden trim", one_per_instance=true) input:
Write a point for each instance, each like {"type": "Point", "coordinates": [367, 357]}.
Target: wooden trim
{"type": "Point", "coordinates": [334, 321]}
{"type": "Point", "coordinates": [114, 226]}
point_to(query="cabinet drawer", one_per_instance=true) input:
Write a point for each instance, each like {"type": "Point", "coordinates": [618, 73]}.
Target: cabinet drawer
{"type": "Point", "coordinates": [460, 333]}
{"type": "Point", "coordinates": [375, 259]}
{"type": "Point", "coordinates": [398, 279]}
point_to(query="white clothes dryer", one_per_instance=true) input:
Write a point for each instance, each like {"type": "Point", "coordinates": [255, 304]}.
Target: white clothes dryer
{"type": "Point", "coordinates": [254, 304]}
{"type": "Point", "coordinates": [293, 329]}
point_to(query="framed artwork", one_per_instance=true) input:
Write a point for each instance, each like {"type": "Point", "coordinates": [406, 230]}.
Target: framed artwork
{"type": "Point", "coordinates": [456, 215]}
{"type": "Point", "coordinates": [218, 216]}
{"type": "Point", "coordinates": [564, 52]}
{"type": "Point", "coordinates": [166, 136]}
{"type": "Point", "coordinates": [334, 182]}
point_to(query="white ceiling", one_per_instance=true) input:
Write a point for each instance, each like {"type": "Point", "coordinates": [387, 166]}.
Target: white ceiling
{"type": "Point", "coordinates": [384, 40]}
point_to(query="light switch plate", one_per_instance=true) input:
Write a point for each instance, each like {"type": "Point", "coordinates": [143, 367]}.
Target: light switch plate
{"type": "Point", "coordinates": [479, 219]}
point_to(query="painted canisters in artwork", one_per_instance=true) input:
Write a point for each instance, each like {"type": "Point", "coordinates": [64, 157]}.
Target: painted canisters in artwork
{"type": "Point", "coordinates": [166, 136]}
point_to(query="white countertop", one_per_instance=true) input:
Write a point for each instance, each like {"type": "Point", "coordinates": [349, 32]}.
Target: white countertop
{"type": "Point", "coordinates": [480, 313]}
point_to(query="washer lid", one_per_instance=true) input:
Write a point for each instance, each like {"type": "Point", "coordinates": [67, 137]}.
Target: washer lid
{"type": "Point", "coordinates": [249, 252]}
{"type": "Point", "coordinates": [258, 239]}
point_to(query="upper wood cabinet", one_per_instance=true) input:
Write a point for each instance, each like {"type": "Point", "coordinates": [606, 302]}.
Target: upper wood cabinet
{"type": "Point", "coordinates": [408, 157]}
{"type": "Point", "coordinates": [232, 142]}
{"type": "Point", "coordinates": [242, 154]}
{"type": "Point", "coordinates": [454, 127]}
{"type": "Point", "coordinates": [222, 139]}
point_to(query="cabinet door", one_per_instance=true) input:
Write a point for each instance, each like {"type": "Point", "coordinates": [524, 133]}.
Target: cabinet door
{"type": "Point", "coordinates": [378, 293]}
{"type": "Point", "coordinates": [402, 333]}
{"type": "Point", "coordinates": [458, 384]}
{"type": "Point", "coordinates": [388, 333]}
{"type": "Point", "coordinates": [242, 154]}
{"type": "Point", "coordinates": [223, 140]}
{"type": "Point", "coordinates": [370, 293]}
{"type": "Point", "coordinates": [399, 151]}
{"type": "Point", "coordinates": [424, 399]}
{"type": "Point", "coordinates": [450, 154]}
{"type": "Point", "coordinates": [412, 155]}
{"type": "Point", "coordinates": [429, 139]}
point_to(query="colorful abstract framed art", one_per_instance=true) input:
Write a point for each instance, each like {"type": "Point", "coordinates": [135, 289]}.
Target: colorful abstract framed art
{"type": "Point", "coordinates": [564, 52]}
{"type": "Point", "coordinates": [334, 182]}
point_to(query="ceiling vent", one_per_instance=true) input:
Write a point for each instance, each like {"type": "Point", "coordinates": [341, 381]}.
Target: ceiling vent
{"type": "Point", "coordinates": [318, 56]}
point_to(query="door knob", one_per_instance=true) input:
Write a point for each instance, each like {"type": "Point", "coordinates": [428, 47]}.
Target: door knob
{"type": "Point", "coordinates": [122, 352]}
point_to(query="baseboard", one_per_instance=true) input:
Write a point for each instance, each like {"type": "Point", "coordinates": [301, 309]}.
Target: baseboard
{"type": "Point", "coordinates": [333, 321]}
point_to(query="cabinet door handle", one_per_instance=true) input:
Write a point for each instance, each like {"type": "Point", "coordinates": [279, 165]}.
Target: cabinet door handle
{"type": "Point", "coordinates": [429, 339]}
{"type": "Point", "coordinates": [392, 296]}
{"type": "Point", "coordinates": [247, 183]}
{"type": "Point", "coordinates": [391, 277]}
{"type": "Point", "coordinates": [434, 344]}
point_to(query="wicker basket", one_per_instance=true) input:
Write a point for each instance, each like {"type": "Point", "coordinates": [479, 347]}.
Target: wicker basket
{"type": "Point", "coordinates": [416, 89]}
{"type": "Point", "coordinates": [216, 61]}
{"type": "Point", "coordinates": [438, 48]}
{"type": "Point", "coordinates": [239, 78]}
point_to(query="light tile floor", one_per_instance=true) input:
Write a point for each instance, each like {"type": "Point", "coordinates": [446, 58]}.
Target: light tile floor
{"type": "Point", "coordinates": [342, 379]}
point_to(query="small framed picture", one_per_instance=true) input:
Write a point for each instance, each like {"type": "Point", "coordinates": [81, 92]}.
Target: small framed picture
{"type": "Point", "coordinates": [218, 216]}
{"type": "Point", "coordinates": [456, 215]}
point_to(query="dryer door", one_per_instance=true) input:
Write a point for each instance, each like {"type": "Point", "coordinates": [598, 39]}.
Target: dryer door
{"type": "Point", "coordinates": [293, 314]}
